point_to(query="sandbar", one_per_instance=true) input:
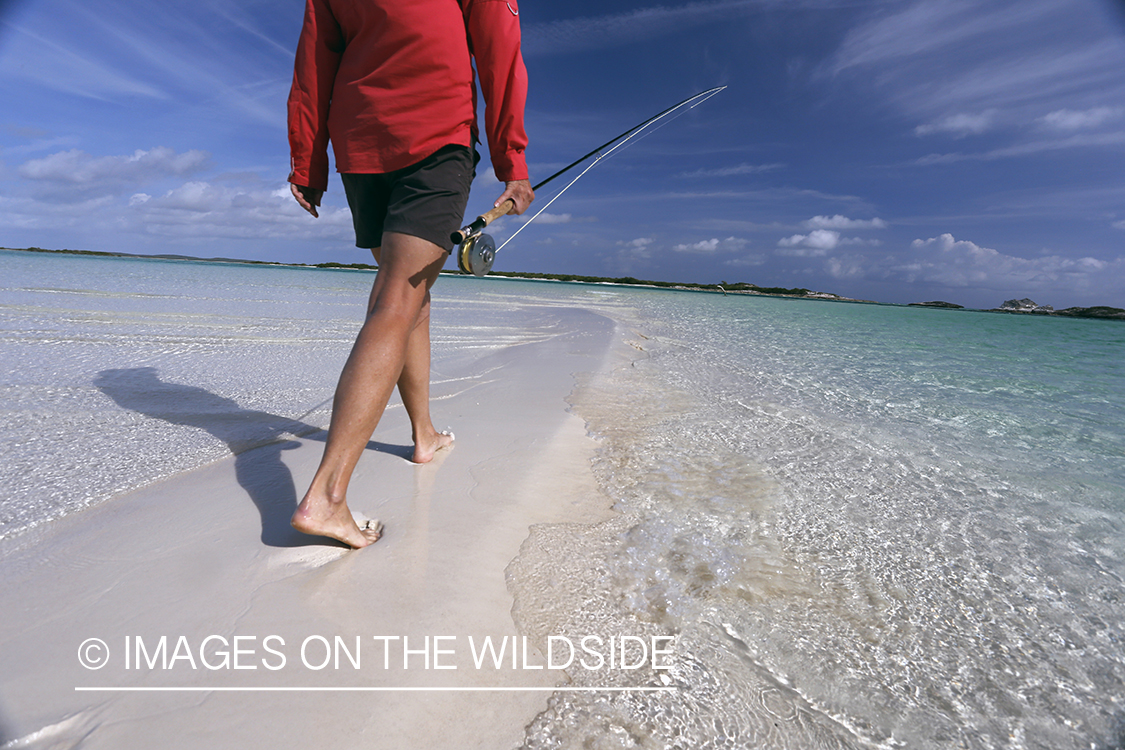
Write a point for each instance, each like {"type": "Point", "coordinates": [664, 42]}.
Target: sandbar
{"type": "Point", "coordinates": [206, 560]}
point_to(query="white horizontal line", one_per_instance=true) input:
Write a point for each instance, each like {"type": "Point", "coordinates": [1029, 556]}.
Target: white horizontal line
{"type": "Point", "coordinates": [187, 689]}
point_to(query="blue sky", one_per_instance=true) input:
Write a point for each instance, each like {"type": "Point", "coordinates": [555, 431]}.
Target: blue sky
{"type": "Point", "coordinates": [896, 151]}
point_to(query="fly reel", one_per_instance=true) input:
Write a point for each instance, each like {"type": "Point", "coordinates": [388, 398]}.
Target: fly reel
{"type": "Point", "coordinates": [476, 254]}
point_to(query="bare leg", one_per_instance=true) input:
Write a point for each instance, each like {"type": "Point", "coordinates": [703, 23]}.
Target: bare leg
{"type": "Point", "coordinates": [414, 385]}
{"type": "Point", "coordinates": [409, 267]}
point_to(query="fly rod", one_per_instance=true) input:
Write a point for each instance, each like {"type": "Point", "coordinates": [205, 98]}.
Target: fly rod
{"type": "Point", "coordinates": [477, 250]}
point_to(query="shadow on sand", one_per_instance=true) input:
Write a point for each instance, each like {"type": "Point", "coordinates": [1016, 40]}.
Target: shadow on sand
{"type": "Point", "coordinates": [256, 438]}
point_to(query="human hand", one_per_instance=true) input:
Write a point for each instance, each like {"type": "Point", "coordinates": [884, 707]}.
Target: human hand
{"type": "Point", "coordinates": [307, 197]}
{"type": "Point", "coordinates": [520, 193]}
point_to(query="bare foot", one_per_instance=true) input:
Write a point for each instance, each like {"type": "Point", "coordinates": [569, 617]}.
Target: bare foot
{"type": "Point", "coordinates": [334, 520]}
{"type": "Point", "coordinates": [424, 450]}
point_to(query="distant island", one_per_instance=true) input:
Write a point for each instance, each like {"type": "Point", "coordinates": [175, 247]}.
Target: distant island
{"type": "Point", "coordinates": [1030, 307]}
{"type": "Point", "coordinates": [1027, 306]}
{"type": "Point", "coordinates": [723, 287]}
{"type": "Point", "coordinates": [1018, 307]}
{"type": "Point", "coordinates": [944, 305]}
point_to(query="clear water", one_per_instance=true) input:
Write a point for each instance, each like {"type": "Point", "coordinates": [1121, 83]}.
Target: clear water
{"type": "Point", "coordinates": [116, 372]}
{"type": "Point", "coordinates": [868, 526]}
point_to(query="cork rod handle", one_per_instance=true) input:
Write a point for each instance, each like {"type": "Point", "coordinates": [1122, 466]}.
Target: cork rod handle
{"type": "Point", "coordinates": [501, 210]}
{"type": "Point", "coordinates": [482, 221]}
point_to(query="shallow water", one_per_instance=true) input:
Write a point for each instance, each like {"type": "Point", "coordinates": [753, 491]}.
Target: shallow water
{"type": "Point", "coordinates": [868, 526]}
{"type": "Point", "coordinates": [119, 372]}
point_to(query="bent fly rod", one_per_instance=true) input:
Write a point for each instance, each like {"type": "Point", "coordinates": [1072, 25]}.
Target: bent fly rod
{"type": "Point", "coordinates": [476, 251]}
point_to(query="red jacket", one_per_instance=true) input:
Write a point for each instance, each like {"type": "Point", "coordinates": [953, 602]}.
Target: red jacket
{"type": "Point", "coordinates": [391, 82]}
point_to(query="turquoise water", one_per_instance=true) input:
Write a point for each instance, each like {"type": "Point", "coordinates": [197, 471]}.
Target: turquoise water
{"type": "Point", "coordinates": [869, 526]}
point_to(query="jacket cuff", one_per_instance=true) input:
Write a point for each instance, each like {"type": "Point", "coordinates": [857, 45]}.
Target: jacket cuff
{"type": "Point", "coordinates": [510, 166]}
{"type": "Point", "coordinates": [307, 177]}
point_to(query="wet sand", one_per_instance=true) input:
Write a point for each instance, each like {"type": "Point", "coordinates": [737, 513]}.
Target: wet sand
{"type": "Point", "coordinates": [209, 555]}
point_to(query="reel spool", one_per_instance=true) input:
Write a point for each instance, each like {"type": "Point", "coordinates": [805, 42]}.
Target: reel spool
{"type": "Point", "coordinates": [476, 254]}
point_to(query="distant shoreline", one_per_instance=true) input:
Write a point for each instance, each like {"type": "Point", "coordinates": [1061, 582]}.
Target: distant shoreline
{"type": "Point", "coordinates": [1096, 313]}
{"type": "Point", "coordinates": [739, 288]}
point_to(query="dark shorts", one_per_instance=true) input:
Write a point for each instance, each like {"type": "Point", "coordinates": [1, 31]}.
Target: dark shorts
{"type": "Point", "coordinates": [424, 200]}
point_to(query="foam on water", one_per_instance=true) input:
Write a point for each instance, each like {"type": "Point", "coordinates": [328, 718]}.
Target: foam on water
{"type": "Point", "coordinates": [868, 526]}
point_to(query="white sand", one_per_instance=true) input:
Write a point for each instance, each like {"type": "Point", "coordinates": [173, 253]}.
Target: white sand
{"type": "Point", "coordinates": [210, 553]}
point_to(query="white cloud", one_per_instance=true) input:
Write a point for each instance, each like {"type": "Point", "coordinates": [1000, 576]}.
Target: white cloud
{"type": "Point", "coordinates": [633, 250]}
{"type": "Point", "coordinates": [58, 67]}
{"type": "Point", "coordinates": [180, 60]}
{"type": "Point", "coordinates": [705, 247]}
{"type": "Point", "coordinates": [735, 170]}
{"type": "Point", "coordinates": [778, 195]}
{"type": "Point", "coordinates": [843, 222]}
{"type": "Point", "coordinates": [77, 167]}
{"type": "Point", "coordinates": [1085, 140]}
{"type": "Point", "coordinates": [1019, 83]}
{"type": "Point", "coordinates": [207, 211]}
{"type": "Point", "coordinates": [960, 263]}
{"type": "Point", "coordinates": [549, 218]}
{"type": "Point", "coordinates": [918, 29]}
{"type": "Point", "coordinates": [1068, 119]}
{"type": "Point", "coordinates": [959, 125]}
{"type": "Point", "coordinates": [802, 252]}
{"type": "Point", "coordinates": [546, 218]}
{"type": "Point", "coordinates": [636, 249]}
{"type": "Point", "coordinates": [819, 242]}
{"type": "Point", "coordinates": [1119, 224]}
{"type": "Point", "coordinates": [847, 267]}
{"type": "Point", "coordinates": [38, 143]}
{"type": "Point", "coordinates": [617, 29]}
{"type": "Point", "coordinates": [713, 245]}
{"type": "Point", "coordinates": [816, 243]}
{"type": "Point", "coordinates": [195, 209]}
{"type": "Point", "coordinates": [947, 63]}
{"type": "Point", "coordinates": [24, 212]}
{"type": "Point", "coordinates": [746, 261]}
{"type": "Point", "coordinates": [985, 274]}
{"type": "Point", "coordinates": [640, 242]}
{"type": "Point", "coordinates": [192, 196]}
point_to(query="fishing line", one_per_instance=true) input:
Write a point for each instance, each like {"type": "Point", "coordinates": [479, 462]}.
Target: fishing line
{"type": "Point", "coordinates": [635, 132]}
{"type": "Point", "coordinates": [476, 251]}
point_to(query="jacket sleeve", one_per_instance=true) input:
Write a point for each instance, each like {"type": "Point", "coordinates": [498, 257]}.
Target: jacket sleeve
{"type": "Point", "coordinates": [494, 38]}
{"type": "Point", "coordinates": [314, 73]}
